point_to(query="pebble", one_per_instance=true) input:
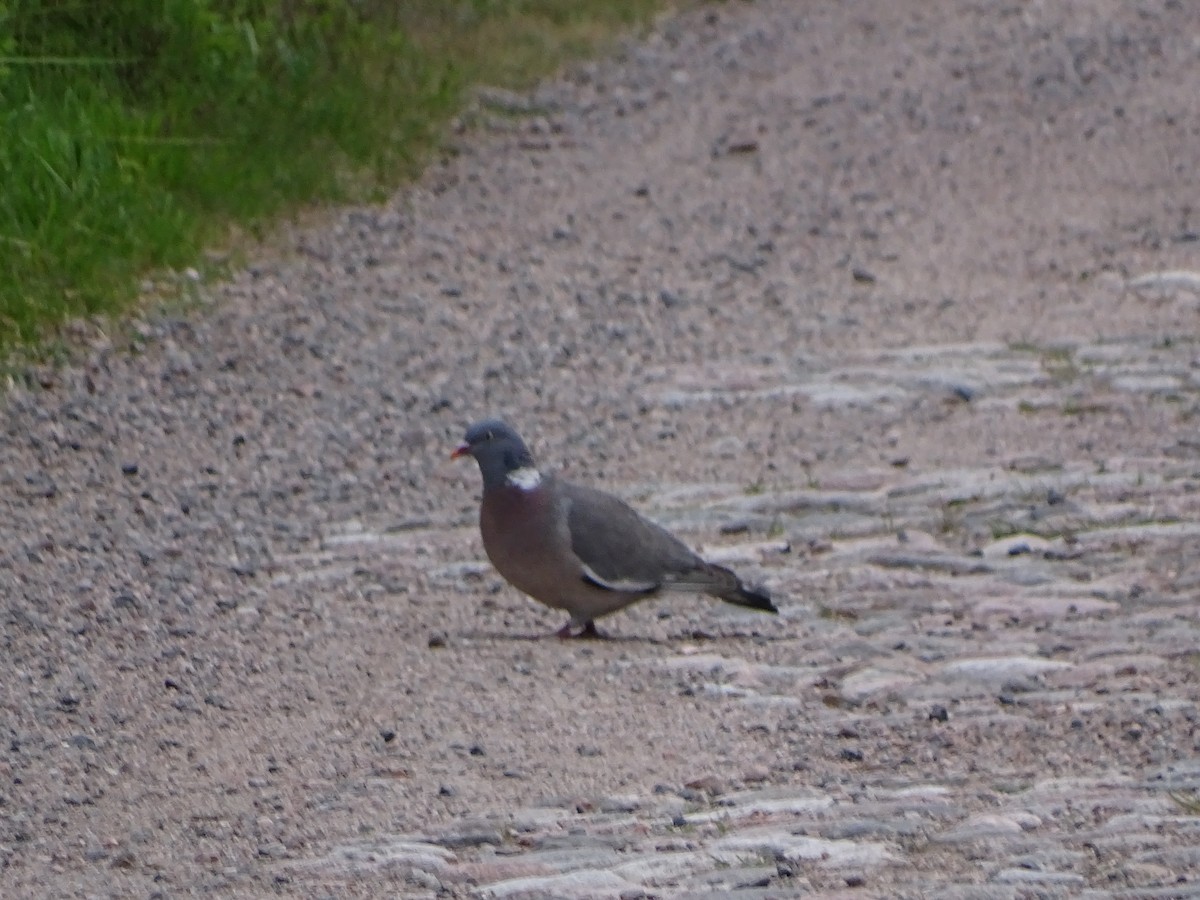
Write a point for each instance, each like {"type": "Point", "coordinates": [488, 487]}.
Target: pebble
{"type": "Point", "coordinates": [981, 826]}
{"type": "Point", "coordinates": [1032, 876]}
{"type": "Point", "coordinates": [587, 883]}
{"type": "Point", "coordinates": [456, 840]}
{"type": "Point", "coordinates": [783, 845]}
{"type": "Point", "coordinates": [1016, 545]}
{"type": "Point", "coordinates": [1000, 669]}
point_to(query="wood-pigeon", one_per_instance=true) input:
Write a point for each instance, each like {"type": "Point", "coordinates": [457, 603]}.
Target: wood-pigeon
{"type": "Point", "coordinates": [576, 548]}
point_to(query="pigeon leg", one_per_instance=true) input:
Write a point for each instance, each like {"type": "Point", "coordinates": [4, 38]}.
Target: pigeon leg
{"type": "Point", "coordinates": [587, 633]}
{"type": "Point", "coordinates": [565, 632]}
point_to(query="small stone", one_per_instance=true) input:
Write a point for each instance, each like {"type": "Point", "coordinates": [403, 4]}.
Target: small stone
{"type": "Point", "coordinates": [756, 775]}
{"type": "Point", "coordinates": [387, 734]}
{"type": "Point", "coordinates": [1002, 669]}
{"type": "Point", "coordinates": [272, 850]}
{"type": "Point", "coordinates": [589, 750]}
{"type": "Point", "coordinates": [437, 640]}
{"type": "Point", "coordinates": [426, 880]}
{"type": "Point", "coordinates": [939, 713]}
{"type": "Point", "coordinates": [709, 784]}
{"type": "Point", "coordinates": [980, 827]}
{"type": "Point", "coordinates": [620, 804]}
{"type": "Point", "coordinates": [851, 754]}
{"type": "Point", "coordinates": [470, 836]}
{"type": "Point", "coordinates": [125, 601]}
{"type": "Point", "coordinates": [1016, 545]}
{"type": "Point", "coordinates": [129, 468]}
{"type": "Point", "coordinates": [1030, 876]}
{"type": "Point", "coordinates": [504, 100]}
{"type": "Point", "coordinates": [738, 145]}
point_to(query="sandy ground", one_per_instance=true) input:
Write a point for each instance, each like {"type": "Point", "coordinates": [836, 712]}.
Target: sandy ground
{"type": "Point", "coordinates": [821, 286]}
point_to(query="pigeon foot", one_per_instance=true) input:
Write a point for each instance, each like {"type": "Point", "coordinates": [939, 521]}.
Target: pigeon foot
{"type": "Point", "coordinates": [587, 633]}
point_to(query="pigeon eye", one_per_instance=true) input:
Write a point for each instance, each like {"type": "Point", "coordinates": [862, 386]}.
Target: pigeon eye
{"type": "Point", "coordinates": [488, 436]}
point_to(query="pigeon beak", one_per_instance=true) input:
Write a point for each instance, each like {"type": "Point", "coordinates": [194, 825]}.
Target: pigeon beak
{"type": "Point", "coordinates": [460, 451]}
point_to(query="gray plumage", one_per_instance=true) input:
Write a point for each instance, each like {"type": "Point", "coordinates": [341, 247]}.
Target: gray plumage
{"type": "Point", "coordinates": [576, 548]}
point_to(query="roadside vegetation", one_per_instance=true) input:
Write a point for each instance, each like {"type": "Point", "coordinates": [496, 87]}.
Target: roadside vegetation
{"type": "Point", "coordinates": [134, 135]}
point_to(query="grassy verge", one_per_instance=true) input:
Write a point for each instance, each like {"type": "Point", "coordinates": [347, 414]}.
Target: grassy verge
{"type": "Point", "coordinates": [135, 134]}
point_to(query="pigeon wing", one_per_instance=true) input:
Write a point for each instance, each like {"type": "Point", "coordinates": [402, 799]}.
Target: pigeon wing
{"type": "Point", "coordinates": [619, 549]}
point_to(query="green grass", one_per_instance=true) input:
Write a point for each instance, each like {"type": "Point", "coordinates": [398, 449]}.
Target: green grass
{"type": "Point", "coordinates": [138, 134]}
{"type": "Point", "coordinates": [1189, 803]}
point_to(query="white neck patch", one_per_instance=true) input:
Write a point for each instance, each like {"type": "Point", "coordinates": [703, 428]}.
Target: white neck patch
{"type": "Point", "coordinates": [526, 478]}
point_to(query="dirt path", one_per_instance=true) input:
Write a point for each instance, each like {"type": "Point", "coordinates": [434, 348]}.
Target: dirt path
{"type": "Point", "coordinates": [891, 304]}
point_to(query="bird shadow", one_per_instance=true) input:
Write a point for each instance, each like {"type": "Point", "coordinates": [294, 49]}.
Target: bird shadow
{"type": "Point", "coordinates": [601, 638]}
{"type": "Point", "coordinates": [551, 637]}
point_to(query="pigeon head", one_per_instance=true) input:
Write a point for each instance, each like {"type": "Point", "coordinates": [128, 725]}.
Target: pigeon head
{"type": "Point", "coordinates": [502, 456]}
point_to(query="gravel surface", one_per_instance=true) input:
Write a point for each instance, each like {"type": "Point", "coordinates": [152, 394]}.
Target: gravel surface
{"type": "Point", "coordinates": [892, 305]}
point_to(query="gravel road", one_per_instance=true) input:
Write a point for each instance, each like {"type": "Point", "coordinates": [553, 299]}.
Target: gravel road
{"type": "Point", "coordinates": [892, 306]}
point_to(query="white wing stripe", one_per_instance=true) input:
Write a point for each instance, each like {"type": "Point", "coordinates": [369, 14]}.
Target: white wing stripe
{"type": "Point", "coordinates": [637, 587]}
